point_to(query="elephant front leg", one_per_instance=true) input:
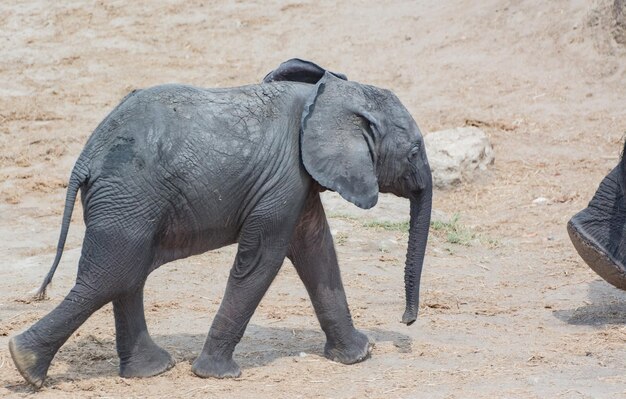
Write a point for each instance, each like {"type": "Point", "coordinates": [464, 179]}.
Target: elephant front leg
{"type": "Point", "coordinates": [139, 355]}
{"type": "Point", "coordinates": [313, 254]}
{"type": "Point", "coordinates": [262, 249]}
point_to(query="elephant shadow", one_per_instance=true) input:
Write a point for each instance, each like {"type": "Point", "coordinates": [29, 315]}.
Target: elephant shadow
{"type": "Point", "coordinates": [87, 357]}
{"type": "Point", "coordinates": [607, 307]}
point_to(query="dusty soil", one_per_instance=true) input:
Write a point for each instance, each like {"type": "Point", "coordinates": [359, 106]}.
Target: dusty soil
{"type": "Point", "coordinates": [508, 309]}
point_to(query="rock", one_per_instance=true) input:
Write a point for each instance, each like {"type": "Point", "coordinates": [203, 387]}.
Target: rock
{"type": "Point", "coordinates": [541, 201]}
{"type": "Point", "coordinates": [457, 155]}
{"type": "Point", "coordinates": [387, 245]}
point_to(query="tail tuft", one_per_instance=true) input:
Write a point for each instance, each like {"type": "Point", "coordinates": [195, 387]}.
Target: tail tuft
{"type": "Point", "coordinates": [41, 294]}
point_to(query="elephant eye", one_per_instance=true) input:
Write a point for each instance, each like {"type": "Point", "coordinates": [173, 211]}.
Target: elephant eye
{"type": "Point", "coordinates": [415, 150]}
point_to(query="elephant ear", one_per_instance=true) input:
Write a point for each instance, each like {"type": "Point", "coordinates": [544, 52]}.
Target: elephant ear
{"type": "Point", "coordinates": [297, 70]}
{"type": "Point", "coordinates": [337, 141]}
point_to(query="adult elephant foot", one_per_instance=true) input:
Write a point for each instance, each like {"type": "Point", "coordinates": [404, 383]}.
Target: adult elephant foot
{"type": "Point", "coordinates": [146, 361]}
{"type": "Point", "coordinates": [598, 231]}
{"type": "Point", "coordinates": [597, 256]}
{"type": "Point", "coordinates": [31, 361]}
{"type": "Point", "coordinates": [352, 349]}
{"type": "Point", "coordinates": [207, 366]}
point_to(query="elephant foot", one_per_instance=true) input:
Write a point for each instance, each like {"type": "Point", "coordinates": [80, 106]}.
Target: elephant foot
{"type": "Point", "coordinates": [352, 350]}
{"type": "Point", "coordinates": [598, 232]}
{"type": "Point", "coordinates": [207, 366]}
{"type": "Point", "coordinates": [146, 362]}
{"type": "Point", "coordinates": [598, 258]}
{"type": "Point", "coordinates": [31, 363]}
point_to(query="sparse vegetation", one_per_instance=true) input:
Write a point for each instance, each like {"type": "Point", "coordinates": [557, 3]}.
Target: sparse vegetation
{"type": "Point", "coordinates": [453, 231]}
{"type": "Point", "coordinates": [341, 238]}
{"type": "Point", "coordinates": [341, 215]}
{"type": "Point", "coordinates": [389, 226]}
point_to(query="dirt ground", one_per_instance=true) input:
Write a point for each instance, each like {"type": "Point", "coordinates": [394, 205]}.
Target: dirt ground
{"type": "Point", "coordinates": [508, 308]}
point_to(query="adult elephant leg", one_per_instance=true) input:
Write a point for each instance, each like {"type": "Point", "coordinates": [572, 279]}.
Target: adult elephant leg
{"type": "Point", "coordinates": [313, 254]}
{"type": "Point", "coordinates": [598, 232]}
{"type": "Point", "coordinates": [262, 248]}
{"type": "Point", "coordinates": [139, 355]}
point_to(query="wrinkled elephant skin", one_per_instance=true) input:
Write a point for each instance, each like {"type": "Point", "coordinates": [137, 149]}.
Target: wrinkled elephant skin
{"type": "Point", "coordinates": [175, 171]}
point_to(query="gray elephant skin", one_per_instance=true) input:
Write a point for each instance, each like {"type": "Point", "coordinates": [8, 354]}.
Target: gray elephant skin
{"type": "Point", "coordinates": [598, 232]}
{"type": "Point", "coordinates": [175, 171]}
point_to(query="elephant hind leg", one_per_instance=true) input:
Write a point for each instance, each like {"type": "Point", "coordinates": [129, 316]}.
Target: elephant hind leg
{"type": "Point", "coordinates": [111, 265]}
{"type": "Point", "coordinates": [33, 350]}
{"type": "Point", "coordinates": [139, 355]}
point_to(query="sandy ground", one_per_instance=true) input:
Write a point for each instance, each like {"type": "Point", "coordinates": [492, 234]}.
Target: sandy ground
{"type": "Point", "coordinates": [508, 310]}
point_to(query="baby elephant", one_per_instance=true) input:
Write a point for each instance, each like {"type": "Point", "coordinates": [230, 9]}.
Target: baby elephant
{"type": "Point", "coordinates": [175, 171]}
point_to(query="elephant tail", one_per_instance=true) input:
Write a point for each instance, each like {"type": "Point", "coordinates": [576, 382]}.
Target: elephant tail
{"type": "Point", "coordinates": [77, 179]}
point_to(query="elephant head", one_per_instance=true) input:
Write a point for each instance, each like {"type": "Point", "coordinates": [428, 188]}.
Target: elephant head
{"type": "Point", "coordinates": [359, 140]}
{"type": "Point", "coordinates": [598, 232]}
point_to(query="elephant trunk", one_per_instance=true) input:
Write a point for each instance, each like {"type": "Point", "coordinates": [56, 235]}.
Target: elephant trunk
{"type": "Point", "coordinates": [421, 204]}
